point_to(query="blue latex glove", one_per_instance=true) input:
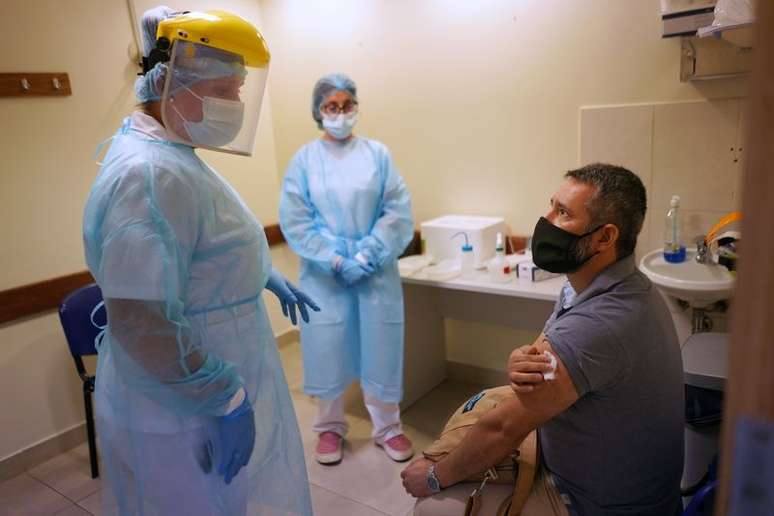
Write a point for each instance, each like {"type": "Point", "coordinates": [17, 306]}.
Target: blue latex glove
{"type": "Point", "coordinates": [235, 440]}
{"type": "Point", "coordinates": [352, 271]}
{"type": "Point", "coordinates": [289, 297]}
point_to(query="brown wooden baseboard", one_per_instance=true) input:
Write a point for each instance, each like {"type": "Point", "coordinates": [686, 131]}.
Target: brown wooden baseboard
{"type": "Point", "coordinates": [274, 235]}
{"type": "Point", "coordinates": [35, 298]}
{"type": "Point", "coordinates": [414, 247]}
{"type": "Point", "coordinates": [32, 299]}
{"type": "Point", "coordinates": [513, 244]}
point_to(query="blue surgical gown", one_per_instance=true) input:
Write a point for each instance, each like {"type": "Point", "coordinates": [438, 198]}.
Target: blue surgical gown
{"type": "Point", "coordinates": [182, 262]}
{"type": "Point", "coordinates": [345, 199]}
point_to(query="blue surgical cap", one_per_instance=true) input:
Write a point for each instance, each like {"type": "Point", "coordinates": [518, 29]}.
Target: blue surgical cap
{"type": "Point", "coordinates": [148, 87]}
{"type": "Point", "coordinates": [326, 87]}
{"type": "Point", "coordinates": [150, 26]}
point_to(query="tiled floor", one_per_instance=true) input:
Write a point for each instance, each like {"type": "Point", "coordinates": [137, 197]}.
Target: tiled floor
{"type": "Point", "coordinates": [366, 483]}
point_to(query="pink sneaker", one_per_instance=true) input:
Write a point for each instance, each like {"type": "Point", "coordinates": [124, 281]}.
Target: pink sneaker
{"type": "Point", "coordinates": [328, 451]}
{"type": "Point", "coordinates": [398, 448]}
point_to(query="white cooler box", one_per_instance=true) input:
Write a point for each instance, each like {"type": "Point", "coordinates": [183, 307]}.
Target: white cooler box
{"type": "Point", "coordinates": [482, 232]}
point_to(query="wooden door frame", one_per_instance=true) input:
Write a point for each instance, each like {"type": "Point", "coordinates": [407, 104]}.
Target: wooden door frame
{"type": "Point", "coordinates": [750, 385]}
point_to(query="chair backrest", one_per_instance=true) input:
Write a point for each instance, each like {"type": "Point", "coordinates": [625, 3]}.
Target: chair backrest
{"type": "Point", "coordinates": [75, 313]}
{"type": "Point", "coordinates": [703, 502]}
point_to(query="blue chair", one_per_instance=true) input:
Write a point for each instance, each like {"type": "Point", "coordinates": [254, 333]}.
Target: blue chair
{"type": "Point", "coordinates": [703, 493]}
{"type": "Point", "coordinates": [703, 502]}
{"type": "Point", "coordinates": [82, 324]}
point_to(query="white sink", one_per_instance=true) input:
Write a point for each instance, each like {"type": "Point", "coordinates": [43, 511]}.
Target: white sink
{"type": "Point", "coordinates": [698, 284]}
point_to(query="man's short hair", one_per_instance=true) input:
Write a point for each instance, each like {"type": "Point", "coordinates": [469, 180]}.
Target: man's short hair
{"type": "Point", "coordinates": [619, 199]}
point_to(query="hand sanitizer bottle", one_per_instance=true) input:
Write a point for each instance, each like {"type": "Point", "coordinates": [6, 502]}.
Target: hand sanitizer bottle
{"type": "Point", "coordinates": [466, 257]}
{"type": "Point", "coordinates": [674, 250]}
{"type": "Point", "coordinates": [499, 268]}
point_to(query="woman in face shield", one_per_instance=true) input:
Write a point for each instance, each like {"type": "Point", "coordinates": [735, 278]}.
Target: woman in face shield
{"type": "Point", "coordinates": [346, 211]}
{"type": "Point", "coordinates": [194, 414]}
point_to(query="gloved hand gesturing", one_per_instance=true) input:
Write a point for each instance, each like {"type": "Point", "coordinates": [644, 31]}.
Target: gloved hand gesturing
{"type": "Point", "coordinates": [352, 271]}
{"type": "Point", "coordinates": [289, 297]}
{"type": "Point", "coordinates": [235, 440]}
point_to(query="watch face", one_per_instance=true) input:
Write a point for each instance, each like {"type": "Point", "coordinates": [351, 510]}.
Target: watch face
{"type": "Point", "coordinates": [432, 481]}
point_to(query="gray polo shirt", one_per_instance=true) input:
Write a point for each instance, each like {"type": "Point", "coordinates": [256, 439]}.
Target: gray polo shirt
{"type": "Point", "coordinates": [619, 449]}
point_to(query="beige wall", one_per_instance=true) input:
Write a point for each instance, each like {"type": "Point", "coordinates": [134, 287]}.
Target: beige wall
{"type": "Point", "coordinates": [479, 102]}
{"type": "Point", "coordinates": [47, 147]}
{"type": "Point", "coordinates": [691, 149]}
{"type": "Point", "coordinates": [48, 143]}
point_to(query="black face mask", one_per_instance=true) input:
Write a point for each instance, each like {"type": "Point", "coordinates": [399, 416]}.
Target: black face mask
{"type": "Point", "coordinates": [555, 249]}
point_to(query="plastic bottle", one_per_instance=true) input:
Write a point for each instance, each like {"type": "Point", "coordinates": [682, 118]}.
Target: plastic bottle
{"type": "Point", "coordinates": [466, 256]}
{"type": "Point", "coordinates": [674, 250]}
{"type": "Point", "coordinates": [499, 268]}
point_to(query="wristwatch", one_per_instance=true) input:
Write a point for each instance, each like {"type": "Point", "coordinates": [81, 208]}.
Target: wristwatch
{"type": "Point", "coordinates": [432, 480]}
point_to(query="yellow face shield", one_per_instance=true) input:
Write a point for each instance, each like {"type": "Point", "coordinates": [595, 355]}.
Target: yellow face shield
{"type": "Point", "coordinates": [211, 100]}
{"type": "Point", "coordinates": [216, 78]}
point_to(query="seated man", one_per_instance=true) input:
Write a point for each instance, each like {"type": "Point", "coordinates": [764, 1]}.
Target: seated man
{"type": "Point", "coordinates": [610, 423]}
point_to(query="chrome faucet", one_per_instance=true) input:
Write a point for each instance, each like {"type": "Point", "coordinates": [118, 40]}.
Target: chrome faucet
{"type": "Point", "coordinates": [702, 250]}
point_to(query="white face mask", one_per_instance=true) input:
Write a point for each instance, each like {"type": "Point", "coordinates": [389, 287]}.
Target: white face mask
{"type": "Point", "coordinates": [340, 126]}
{"type": "Point", "coordinates": [220, 123]}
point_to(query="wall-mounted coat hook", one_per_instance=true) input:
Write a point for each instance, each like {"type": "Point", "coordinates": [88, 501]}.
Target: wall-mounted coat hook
{"type": "Point", "coordinates": [34, 84]}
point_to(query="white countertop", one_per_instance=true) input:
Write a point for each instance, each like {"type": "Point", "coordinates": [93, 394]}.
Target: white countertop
{"type": "Point", "coordinates": [547, 290]}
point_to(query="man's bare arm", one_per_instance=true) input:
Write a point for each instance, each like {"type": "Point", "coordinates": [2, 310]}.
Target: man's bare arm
{"type": "Point", "coordinates": [527, 365]}
{"type": "Point", "coordinates": [499, 433]}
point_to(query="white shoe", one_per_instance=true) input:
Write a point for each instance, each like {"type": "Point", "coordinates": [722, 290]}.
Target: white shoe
{"type": "Point", "coordinates": [398, 448]}
{"type": "Point", "coordinates": [328, 451]}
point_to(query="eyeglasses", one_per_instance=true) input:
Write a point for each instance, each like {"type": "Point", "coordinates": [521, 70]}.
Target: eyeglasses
{"type": "Point", "coordinates": [335, 109]}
